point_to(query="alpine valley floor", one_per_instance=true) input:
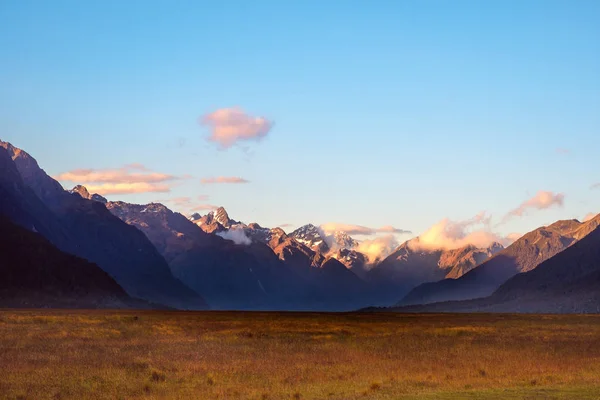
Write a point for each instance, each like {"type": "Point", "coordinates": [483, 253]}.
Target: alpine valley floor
{"type": "Point", "coordinates": [82, 354]}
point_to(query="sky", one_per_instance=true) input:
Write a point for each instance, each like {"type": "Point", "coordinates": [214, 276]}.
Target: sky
{"type": "Point", "coordinates": [468, 117]}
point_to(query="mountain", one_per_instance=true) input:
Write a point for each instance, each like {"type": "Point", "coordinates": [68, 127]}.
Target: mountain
{"type": "Point", "coordinates": [312, 237]}
{"type": "Point", "coordinates": [411, 265]}
{"type": "Point", "coordinates": [341, 240]}
{"type": "Point", "coordinates": [229, 275]}
{"type": "Point", "coordinates": [523, 255]}
{"type": "Point", "coordinates": [214, 221]}
{"type": "Point", "coordinates": [171, 233]}
{"type": "Point", "coordinates": [269, 270]}
{"type": "Point", "coordinates": [568, 282]}
{"type": "Point", "coordinates": [34, 273]}
{"type": "Point", "coordinates": [85, 228]}
{"type": "Point", "coordinates": [83, 192]}
{"type": "Point", "coordinates": [353, 260]}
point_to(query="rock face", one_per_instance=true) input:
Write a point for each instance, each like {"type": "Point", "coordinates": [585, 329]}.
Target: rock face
{"type": "Point", "coordinates": [214, 221]}
{"type": "Point", "coordinates": [523, 255]}
{"type": "Point", "coordinates": [411, 265]}
{"type": "Point", "coordinates": [87, 229]}
{"type": "Point", "coordinates": [355, 261]}
{"type": "Point", "coordinates": [171, 233]}
{"type": "Point", "coordinates": [312, 237]}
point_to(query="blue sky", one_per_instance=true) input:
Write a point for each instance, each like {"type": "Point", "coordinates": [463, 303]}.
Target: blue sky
{"type": "Point", "coordinates": [394, 113]}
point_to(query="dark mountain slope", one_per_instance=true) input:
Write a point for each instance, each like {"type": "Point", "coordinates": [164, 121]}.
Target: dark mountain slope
{"type": "Point", "coordinates": [34, 273]}
{"type": "Point", "coordinates": [87, 229]}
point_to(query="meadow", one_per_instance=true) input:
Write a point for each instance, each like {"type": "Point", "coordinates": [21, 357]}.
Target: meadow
{"type": "Point", "coordinates": [81, 354]}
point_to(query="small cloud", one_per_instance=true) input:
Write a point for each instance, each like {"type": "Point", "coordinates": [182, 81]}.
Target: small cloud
{"type": "Point", "coordinates": [223, 179]}
{"type": "Point", "coordinates": [331, 227]}
{"type": "Point", "coordinates": [237, 236]}
{"type": "Point", "coordinates": [128, 188]}
{"type": "Point", "coordinates": [131, 178]}
{"type": "Point", "coordinates": [180, 201]}
{"type": "Point", "coordinates": [231, 125]}
{"type": "Point", "coordinates": [563, 151]}
{"type": "Point", "coordinates": [285, 225]}
{"type": "Point", "coordinates": [203, 197]}
{"type": "Point", "coordinates": [589, 217]}
{"type": "Point", "coordinates": [595, 186]}
{"type": "Point", "coordinates": [202, 207]}
{"type": "Point", "coordinates": [120, 175]}
{"type": "Point", "coordinates": [541, 201]}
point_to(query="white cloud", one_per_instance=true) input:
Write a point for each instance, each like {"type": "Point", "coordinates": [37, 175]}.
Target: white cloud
{"type": "Point", "coordinates": [231, 125]}
{"type": "Point", "coordinates": [378, 248]}
{"type": "Point", "coordinates": [238, 236]}
{"type": "Point", "coordinates": [448, 235]}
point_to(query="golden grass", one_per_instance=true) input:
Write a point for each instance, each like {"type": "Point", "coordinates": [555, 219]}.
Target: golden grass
{"type": "Point", "coordinates": [220, 355]}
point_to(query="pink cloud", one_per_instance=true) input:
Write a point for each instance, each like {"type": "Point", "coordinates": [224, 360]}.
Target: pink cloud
{"type": "Point", "coordinates": [120, 175]}
{"type": "Point", "coordinates": [541, 201]}
{"type": "Point", "coordinates": [131, 178]}
{"type": "Point", "coordinates": [223, 179]}
{"type": "Point", "coordinates": [231, 125]}
{"type": "Point", "coordinates": [128, 188]}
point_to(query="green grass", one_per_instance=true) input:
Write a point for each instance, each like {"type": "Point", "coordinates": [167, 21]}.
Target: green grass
{"type": "Point", "coordinates": [60, 354]}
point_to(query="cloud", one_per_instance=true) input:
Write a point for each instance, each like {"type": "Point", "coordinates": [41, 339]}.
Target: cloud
{"type": "Point", "coordinates": [331, 227]}
{"type": "Point", "coordinates": [563, 151]}
{"type": "Point", "coordinates": [231, 125]}
{"type": "Point", "coordinates": [223, 179]}
{"type": "Point", "coordinates": [203, 197]}
{"type": "Point", "coordinates": [121, 175]}
{"type": "Point", "coordinates": [378, 248]}
{"type": "Point", "coordinates": [542, 200]}
{"type": "Point", "coordinates": [589, 217]}
{"type": "Point", "coordinates": [128, 188]}
{"type": "Point", "coordinates": [181, 201]}
{"type": "Point", "coordinates": [131, 178]}
{"type": "Point", "coordinates": [238, 236]}
{"type": "Point", "coordinates": [449, 235]}
{"type": "Point", "coordinates": [201, 207]}
{"type": "Point", "coordinates": [595, 186]}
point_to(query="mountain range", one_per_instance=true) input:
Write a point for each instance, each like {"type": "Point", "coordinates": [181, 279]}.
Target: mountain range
{"type": "Point", "coordinates": [91, 252]}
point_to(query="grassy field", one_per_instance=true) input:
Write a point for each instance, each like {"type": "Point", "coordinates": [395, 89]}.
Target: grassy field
{"type": "Point", "coordinates": [220, 355]}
